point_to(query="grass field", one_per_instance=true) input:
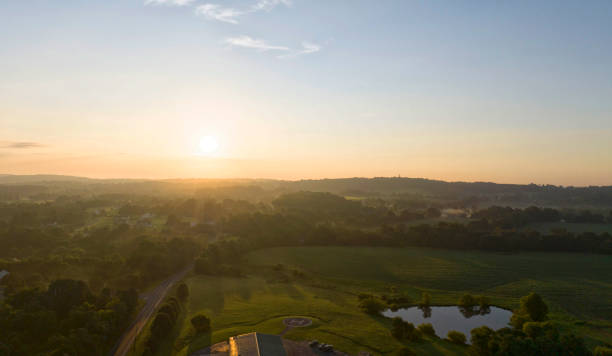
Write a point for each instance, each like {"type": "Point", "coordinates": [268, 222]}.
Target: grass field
{"type": "Point", "coordinates": [571, 227]}
{"type": "Point", "coordinates": [578, 289]}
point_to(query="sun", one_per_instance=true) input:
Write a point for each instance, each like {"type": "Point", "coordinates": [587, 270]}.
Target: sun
{"type": "Point", "coordinates": [208, 145]}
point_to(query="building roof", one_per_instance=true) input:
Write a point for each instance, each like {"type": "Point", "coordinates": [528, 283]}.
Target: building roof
{"type": "Point", "coordinates": [255, 344]}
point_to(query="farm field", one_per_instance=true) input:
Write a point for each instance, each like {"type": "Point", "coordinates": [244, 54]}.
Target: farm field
{"type": "Point", "coordinates": [578, 292]}
{"type": "Point", "coordinates": [571, 227]}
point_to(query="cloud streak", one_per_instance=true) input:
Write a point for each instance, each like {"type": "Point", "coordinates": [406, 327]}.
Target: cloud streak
{"type": "Point", "coordinates": [267, 5]}
{"type": "Point", "coordinates": [21, 145]}
{"type": "Point", "coordinates": [263, 46]}
{"type": "Point", "coordinates": [219, 13]}
{"type": "Point", "coordinates": [307, 48]}
{"type": "Point", "coordinates": [169, 2]}
{"type": "Point", "coordinates": [231, 15]}
{"type": "Point", "coordinates": [249, 42]}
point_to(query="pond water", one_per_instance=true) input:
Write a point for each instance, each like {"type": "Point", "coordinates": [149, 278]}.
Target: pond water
{"type": "Point", "coordinates": [445, 319]}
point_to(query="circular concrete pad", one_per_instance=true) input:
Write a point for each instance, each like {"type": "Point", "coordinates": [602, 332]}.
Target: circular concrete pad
{"type": "Point", "coordinates": [297, 322]}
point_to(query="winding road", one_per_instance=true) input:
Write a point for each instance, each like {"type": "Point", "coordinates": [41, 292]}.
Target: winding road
{"type": "Point", "coordinates": [152, 301]}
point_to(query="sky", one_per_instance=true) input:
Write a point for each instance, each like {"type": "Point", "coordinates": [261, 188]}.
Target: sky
{"type": "Point", "coordinates": [503, 91]}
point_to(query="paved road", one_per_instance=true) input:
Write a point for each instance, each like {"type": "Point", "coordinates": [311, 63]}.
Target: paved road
{"type": "Point", "coordinates": [152, 300]}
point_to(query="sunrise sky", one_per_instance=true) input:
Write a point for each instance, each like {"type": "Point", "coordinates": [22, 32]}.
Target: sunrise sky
{"type": "Point", "coordinates": [504, 91]}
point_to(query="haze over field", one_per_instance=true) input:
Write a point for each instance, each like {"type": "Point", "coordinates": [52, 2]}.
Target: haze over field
{"type": "Point", "coordinates": [511, 92]}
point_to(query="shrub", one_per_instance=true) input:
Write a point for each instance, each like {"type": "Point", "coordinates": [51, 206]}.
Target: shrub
{"type": "Point", "coordinates": [456, 337]}
{"type": "Point", "coordinates": [533, 329]}
{"type": "Point", "coordinates": [371, 306]}
{"type": "Point", "coordinates": [518, 320]}
{"type": "Point", "coordinates": [403, 330]}
{"type": "Point", "coordinates": [201, 323]}
{"type": "Point", "coordinates": [483, 302]}
{"type": "Point", "coordinates": [467, 301]}
{"type": "Point", "coordinates": [427, 329]}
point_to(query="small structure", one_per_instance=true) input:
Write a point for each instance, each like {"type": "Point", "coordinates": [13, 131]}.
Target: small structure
{"type": "Point", "coordinates": [256, 344]}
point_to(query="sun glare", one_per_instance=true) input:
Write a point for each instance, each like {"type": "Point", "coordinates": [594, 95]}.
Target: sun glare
{"type": "Point", "coordinates": [208, 145]}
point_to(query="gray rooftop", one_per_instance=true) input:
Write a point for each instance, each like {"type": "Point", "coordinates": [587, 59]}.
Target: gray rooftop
{"type": "Point", "coordinates": [256, 344]}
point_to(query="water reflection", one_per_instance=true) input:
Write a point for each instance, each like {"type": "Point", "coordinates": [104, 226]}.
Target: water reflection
{"type": "Point", "coordinates": [445, 319]}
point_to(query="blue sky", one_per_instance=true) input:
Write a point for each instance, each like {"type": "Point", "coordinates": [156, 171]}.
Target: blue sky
{"type": "Point", "coordinates": [513, 91]}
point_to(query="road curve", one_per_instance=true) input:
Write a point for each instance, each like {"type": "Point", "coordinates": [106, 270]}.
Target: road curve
{"type": "Point", "coordinates": [152, 301]}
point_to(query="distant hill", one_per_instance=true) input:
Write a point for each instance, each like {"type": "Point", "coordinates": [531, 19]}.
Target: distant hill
{"type": "Point", "coordinates": [466, 193]}
{"type": "Point", "coordinates": [39, 178]}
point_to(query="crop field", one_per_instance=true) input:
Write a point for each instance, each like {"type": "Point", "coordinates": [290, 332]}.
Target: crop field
{"type": "Point", "coordinates": [577, 290]}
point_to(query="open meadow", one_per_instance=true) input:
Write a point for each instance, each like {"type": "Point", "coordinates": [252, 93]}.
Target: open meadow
{"type": "Point", "coordinates": [322, 283]}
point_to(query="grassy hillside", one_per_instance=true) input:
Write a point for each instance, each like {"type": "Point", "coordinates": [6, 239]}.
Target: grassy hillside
{"type": "Point", "coordinates": [577, 288]}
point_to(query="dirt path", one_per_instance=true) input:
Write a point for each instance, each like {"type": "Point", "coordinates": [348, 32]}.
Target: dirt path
{"type": "Point", "coordinates": [152, 300]}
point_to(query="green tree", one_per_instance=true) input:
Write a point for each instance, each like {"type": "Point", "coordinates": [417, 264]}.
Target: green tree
{"type": "Point", "coordinates": [201, 323]}
{"type": "Point", "coordinates": [425, 300]}
{"type": "Point", "coordinates": [371, 305]}
{"type": "Point", "coordinates": [534, 306]}
{"type": "Point", "coordinates": [467, 301]}
{"type": "Point", "coordinates": [456, 337]}
{"type": "Point", "coordinates": [182, 292]}
{"type": "Point", "coordinates": [427, 329]}
{"type": "Point", "coordinates": [481, 338]}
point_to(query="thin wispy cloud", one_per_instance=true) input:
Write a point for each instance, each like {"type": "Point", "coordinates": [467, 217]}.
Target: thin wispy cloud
{"type": "Point", "coordinates": [169, 2]}
{"type": "Point", "coordinates": [253, 43]}
{"type": "Point", "coordinates": [230, 15]}
{"type": "Point", "coordinates": [307, 48]}
{"type": "Point", "coordinates": [268, 5]}
{"type": "Point", "coordinates": [20, 144]}
{"type": "Point", "coordinates": [262, 46]}
{"type": "Point", "coordinates": [219, 13]}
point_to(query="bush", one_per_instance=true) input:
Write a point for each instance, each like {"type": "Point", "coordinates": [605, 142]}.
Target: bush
{"type": "Point", "coordinates": [403, 330]}
{"type": "Point", "coordinates": [467, 301]}
{"type": "Point", "coordinates": [483, 302]}
{"type": "Point", "coordinates": [456, 337]}
{"type": "Point", "coordinates": [518, 320]}
{"type": "Point", "coordinates": [427, 329]}
{"type": "Point", "coordinates": [201, 323]}
{"type": "Point", "coordinates": [533, 329]}
{"type": "Point", "coordinates": [371, 305]}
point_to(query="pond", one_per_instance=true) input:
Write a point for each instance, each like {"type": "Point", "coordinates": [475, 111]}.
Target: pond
{"type": "Point", "coordinates": [445, 319]}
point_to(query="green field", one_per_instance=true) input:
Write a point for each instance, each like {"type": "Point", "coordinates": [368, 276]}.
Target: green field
{"type": "Point", "coordinates": [578, 289]}
{"type": "Point", "coordinates": [576, 228]}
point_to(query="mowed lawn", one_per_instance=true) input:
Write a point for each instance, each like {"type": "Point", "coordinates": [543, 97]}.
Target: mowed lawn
{"type": "Point", "coordinates": [242, 305]}
{"type": "Point", "coordinates": [578, 289]}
